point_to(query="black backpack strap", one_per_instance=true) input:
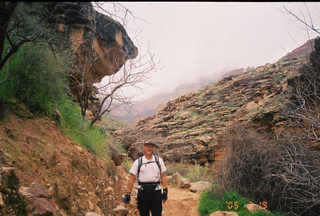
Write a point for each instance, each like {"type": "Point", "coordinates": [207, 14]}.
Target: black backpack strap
{"type": "Point", "coordinates": [139, 167]}
{"type": "Point", "coordinates": [157, 162]}
{"type": "Point", "coordinates": [156, 158]}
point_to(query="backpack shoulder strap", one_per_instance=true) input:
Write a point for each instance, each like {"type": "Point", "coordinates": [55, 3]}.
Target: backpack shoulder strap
{"type": "Point", "coordinates": [156, 158]}
{"type": "Point", "coordinates": [139, 167]}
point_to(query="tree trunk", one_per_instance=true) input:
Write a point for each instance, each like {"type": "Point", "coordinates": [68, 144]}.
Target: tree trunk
{"type": "Point", "coordinates": [6, 11]}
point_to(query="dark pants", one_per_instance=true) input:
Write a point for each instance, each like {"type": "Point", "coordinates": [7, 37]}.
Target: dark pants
{"type": "Point", "coordinates": [150, 201]}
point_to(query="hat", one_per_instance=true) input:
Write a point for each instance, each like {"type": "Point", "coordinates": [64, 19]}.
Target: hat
{"type": "Point", "coordinates": [150, 143]}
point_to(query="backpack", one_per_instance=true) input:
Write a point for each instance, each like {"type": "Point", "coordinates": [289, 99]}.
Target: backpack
{"type": "Point", "coordinates": [156, 158]}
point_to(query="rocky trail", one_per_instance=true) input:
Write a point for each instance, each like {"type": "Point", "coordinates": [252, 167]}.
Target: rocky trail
{"type": "Point", "coordinates": [181, 202]}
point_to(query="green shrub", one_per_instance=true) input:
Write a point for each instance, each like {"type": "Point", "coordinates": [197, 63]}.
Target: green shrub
{"type": "Point", "coordinates": [208, 203]}
{"type": "Point", "coordinates": [176, 167]}
{"type": "Point", "coordinates": [36, 78]}
{"type": "Point", "coordinates": [127, 163]}
{"type": "Point", "coordinates": [199, 173]}
{"type": "Point", "coordinates": [231, 201]}
{"type": "Point", "coordinates": [80, 131]}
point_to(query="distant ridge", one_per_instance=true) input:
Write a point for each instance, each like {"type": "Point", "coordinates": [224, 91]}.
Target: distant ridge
{"type": "Point", "coordinates": [303, 50]}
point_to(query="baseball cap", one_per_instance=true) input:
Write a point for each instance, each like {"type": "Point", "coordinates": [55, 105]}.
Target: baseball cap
{"type": "Point", "coordinates": [150, 143]}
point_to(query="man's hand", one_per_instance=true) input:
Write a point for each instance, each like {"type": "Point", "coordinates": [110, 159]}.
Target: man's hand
{"type": "Point", "coordinates": [165, 194]}
{"type": "Point", "coordinates": [126, 199]}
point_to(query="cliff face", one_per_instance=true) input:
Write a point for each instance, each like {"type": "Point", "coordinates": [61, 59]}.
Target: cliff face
{"type": "Point", "coordinates": [190, 128]}
{"type": "Point", "coordinates": [101, 44]}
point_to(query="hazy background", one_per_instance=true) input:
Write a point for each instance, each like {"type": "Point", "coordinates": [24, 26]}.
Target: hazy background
{"type": "Point", "coordinates": [195, 39]}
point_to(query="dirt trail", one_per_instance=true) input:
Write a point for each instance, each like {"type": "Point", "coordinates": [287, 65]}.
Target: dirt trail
{"type": "Point", "coordinates": [181, 202]}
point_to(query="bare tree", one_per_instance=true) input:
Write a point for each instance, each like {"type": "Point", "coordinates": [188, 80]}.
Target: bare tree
{"type": "Point", "coordinates": [79, 69]}
{"type": "Point", "coordinates": [133, 72]}
{"type": "Point", "coordinates": [308, 24]}
{"type": "Point", "coordinates": [302, 108]}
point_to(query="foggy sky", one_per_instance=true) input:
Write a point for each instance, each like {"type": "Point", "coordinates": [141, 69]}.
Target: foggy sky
{"type": "Point", "coordinates": [195, 39]}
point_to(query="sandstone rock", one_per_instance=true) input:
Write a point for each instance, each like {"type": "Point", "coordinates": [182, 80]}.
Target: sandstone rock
{"type": "Point", "coordinates": [35, 190]}
{"type": "Point", "coordinates": [200, 186]}
{"type": "Point", "coordinates": [185, 115]}
{"type": "Point", "coordinates": [1, 200]}
{"type": "Point", "coordinates": [250, 106]}
{"type": "Point", "coordinates": [92, 214]}
{"type": "Point", "coordinates": [6, 159]}
{"type": "Point", "coordinates": [186, 183]}
{"type": "Point", "coordinates": [36, 201]}
{"type": "Point", "coordinates": [169, 179]}
{"type": "Point", "coordinates": [254, 207]}
{"type": "Point", "coordinates": [117, 159]}
{"type": "Point", "coordinates": [116, 155]}
{"type": "Point", "coordinates": [120, 211]}
{"type": "Point", "coordinates": [90, 33]}
{"type": "Point", "coordinates": [109, 191]}
{"type": "Point", "coordinates": [224, 213]}
{"type": "Point", "coordinates": [40, 207]}
{"type": "Point", "coordinates": [176, 180]}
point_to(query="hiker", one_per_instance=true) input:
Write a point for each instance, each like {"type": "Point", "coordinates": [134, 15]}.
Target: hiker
{"type": "Point", "coordinates": [150, 171]}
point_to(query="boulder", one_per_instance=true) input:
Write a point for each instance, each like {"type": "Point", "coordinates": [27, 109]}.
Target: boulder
{"type": "Point", "coordinates": [110, 191]}
{"type": "Point", "coordinates": [35, 190]}
{"type": "Point", "coordinates": [92, 214]}
{"type": "Point", "coordinates": [176, 180]}
{"type": "Point", "coordinates": [250, 106]}
{"type": "Point", "coordinates": [224, 213]}
{"type": "Point", "coordinates": [185, 115]}
{"type": "Point", "coordinates": [200, 186]}
{"type": "Point", "coordinates": [169, 179]}
{"type": "Point", "coordinates": [186, 183]}
{"type": "Point", "coordinates": [40, 207]}
{"type": "Point", "coordinates": [116, 155]}
{"type": "Point", "coordinates": [36, 201]}
{"type": "Point", "coordinates": [120, 211]}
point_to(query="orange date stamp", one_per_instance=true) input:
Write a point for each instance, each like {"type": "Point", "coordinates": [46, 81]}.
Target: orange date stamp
{"type": "Point", "coordinates": [235, 205]}
{"type": "Point", "coordinates": [263, 204]}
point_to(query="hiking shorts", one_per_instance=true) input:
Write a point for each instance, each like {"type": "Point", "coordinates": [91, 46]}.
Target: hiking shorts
{"type": "Point", "coordinates": [150, 201]}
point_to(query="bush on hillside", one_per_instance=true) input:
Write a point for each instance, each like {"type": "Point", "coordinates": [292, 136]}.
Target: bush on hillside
{"type": "Point", "coordinates": [279, 172]}
{"type": "Point", "coordinates": [199, 173]}
{"type": "Point", "coordinates": [37, 78]}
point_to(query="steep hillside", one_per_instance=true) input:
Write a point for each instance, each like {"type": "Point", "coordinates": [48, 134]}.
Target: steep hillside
{"type": "Point", "coordinates": [150, 106]}
{"type": "Point", "coordinates": [189, 129]}
{"type": "Point", "coordinates": [33, 150]}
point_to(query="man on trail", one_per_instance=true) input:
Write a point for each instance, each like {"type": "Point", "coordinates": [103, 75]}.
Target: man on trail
{"type": "Point", "coordinates": [149, 170]}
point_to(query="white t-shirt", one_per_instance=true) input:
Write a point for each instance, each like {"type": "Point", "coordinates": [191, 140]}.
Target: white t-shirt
{"type": "Point", "coordinates": [148, 172]}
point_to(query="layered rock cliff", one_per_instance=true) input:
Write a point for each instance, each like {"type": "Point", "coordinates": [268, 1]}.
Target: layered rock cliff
{"type": "Point", "coordinates": [101, 45]}
{"type": "Point", "coordinates": [189, 129]}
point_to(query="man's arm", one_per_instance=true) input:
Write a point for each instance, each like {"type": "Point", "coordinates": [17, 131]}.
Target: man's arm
{"type": "Point", "coordinates": [164, 180]}
{"type": "Point", "coordinates": [165, 187]}
{"type": "Point", "coordinates": [132, 179]}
